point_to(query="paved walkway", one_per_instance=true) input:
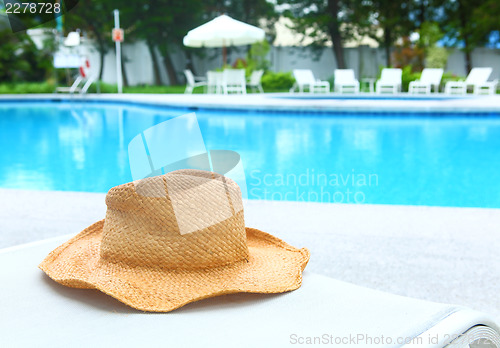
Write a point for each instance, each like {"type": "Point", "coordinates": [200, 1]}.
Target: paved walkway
{"type": "Point", "coordinates": [296, 102]}
{"type": "Point", "coordinates": [447, 255]}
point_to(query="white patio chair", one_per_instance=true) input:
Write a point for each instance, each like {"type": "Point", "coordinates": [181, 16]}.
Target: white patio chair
{"type": "Point", "coordinates": [430, 78]}
{"type": "Point", "coordinates": [304, 78]}
{"type": "Point", "coordinates": [390, 81]}
{"type": "Point", "coordinates": [192, 82]}
{"type": "Point", "coordinates": [215, 82]}
{"type": "Point", "coordinates": [254, 81]}
{"type": "Point", "coordinates": [477, 78]}
{"type": "Point", "coordinates": [234, 81]}
{"type": "Point", "coordinates": [345, 81]}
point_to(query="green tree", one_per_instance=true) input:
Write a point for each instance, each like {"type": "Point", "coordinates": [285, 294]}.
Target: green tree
{"type": "Point", "coordinates": [487, 16]}
{"type": "Point", "coordinates": [256, 12]}
{"type": "Point", "coordinates": [331, 20]}
{"type": "Point", "coordinates": [464, 29]}
{"type": "Point", "coordinates": [260, 13]}
{"type": "Point", "coordinates": [21, 60]}
{"type": "Point", "coordinates": [256, 57]}
{"type": "Point", "coordinates": [95, 17]}
{"type": "Point", "coordinates": [163, 24]}
{"type": "Point", "coordinates": [393, 18]}
{"type": "Point", "coordinates": [430, 34]}
{"type": "Point", "coordinates": [424, 11]}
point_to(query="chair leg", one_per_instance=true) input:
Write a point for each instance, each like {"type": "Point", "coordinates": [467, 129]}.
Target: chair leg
{"type": "Point", "coordinates": [259, 87]}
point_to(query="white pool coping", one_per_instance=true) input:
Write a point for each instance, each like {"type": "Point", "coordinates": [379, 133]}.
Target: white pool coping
{"type": "Point", "coordinates": [447, 255]}
{"type": "Point", "coordinates": [286, 102]}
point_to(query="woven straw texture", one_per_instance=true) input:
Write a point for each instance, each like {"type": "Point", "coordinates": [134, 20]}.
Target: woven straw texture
{"type": "Point", "coordinates": [174, 239]}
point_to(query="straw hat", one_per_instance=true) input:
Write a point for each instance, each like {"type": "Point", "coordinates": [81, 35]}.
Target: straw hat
{"type": "Point", "coordinates": [174, 239]}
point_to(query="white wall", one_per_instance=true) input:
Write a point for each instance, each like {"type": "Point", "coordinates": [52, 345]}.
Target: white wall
{"type": "Point", "coordinates": [363, 59]}
{"type": "Point", "coordinates": [481, 57]}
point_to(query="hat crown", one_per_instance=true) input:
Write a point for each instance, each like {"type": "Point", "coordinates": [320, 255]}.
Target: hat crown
{"type": "Point", "coordinates": [186, 219]}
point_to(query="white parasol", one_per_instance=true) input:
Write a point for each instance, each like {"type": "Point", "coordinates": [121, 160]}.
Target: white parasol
{"type": "Point", "coordinates": [223, 31]}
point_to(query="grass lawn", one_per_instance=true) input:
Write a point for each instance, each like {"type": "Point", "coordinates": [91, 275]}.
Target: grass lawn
{"type": "Point", "coordinates": [45, 87]}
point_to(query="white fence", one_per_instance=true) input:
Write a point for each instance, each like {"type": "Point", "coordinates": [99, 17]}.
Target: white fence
{"type": "Point", "coordinates": [364, 60]}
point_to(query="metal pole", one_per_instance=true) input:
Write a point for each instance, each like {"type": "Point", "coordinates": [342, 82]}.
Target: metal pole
{"type": "Point", "coordinates": [118, 55]}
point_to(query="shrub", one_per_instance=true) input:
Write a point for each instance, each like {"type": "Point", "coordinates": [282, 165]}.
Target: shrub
{"type": "Point", "coordinates": [430, 34]}
{"type": "Point", "coordinates": [21, 60]}
{"type": "Point", "coordinates": [256, 57]}
{"type": "Point", "coordinates": [408, 54]}
{"type": "Point", "coordinates": [276, 81]}
{"type": "Point", "coordinates": [26, 88]}
{"type": "Point", "coordinates": [437, 57]}
{"type": "Point", "coordinates": [103, 87]}
{"type": "Point", "coordinates": [447, 76]}
{"type": "Point", "coordinates": [408, 76]}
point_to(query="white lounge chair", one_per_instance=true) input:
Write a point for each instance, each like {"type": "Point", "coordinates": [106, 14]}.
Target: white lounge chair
{"type": "Point", "coordinates": [477, 78]}
{"type": "Point", "coordinates": [192, 82]}
{"type": "Point", "coordinates": [234, 81]}
{"type": "Point", "coordinates": [390, 81]}
{"type": "Point", "coordinates": [322, 310]}
{"type": "Point", "coordinates": [304, 78]}
{"type": "Point", "coordinates": [254, 81]}
{"type": "Point", "coordinates": [430, 78]}
{"type": "Point", "coordinates": [345, 81]}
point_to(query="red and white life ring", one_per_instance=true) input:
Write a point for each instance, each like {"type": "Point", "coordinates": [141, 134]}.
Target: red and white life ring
{"type": "Point", "coordinates": [85, 69]}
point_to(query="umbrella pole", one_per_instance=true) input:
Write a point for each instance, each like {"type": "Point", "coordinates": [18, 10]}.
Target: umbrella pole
{"type": "Point", "coordinates": [224, 54]}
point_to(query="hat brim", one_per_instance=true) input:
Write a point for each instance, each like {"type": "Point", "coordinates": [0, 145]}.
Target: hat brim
{"type": "Point", "coordinates": [273, 266]}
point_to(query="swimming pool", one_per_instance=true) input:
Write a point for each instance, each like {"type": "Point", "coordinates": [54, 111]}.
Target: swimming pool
{"type": "Point", "coordinates": [342, 158]}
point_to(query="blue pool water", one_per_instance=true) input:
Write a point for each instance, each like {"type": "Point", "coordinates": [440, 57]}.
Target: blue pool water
{"type": "Point", "coordinates": [452, 160]}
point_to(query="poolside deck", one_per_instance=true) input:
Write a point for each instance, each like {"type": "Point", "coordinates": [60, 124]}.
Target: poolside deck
{"type": "Point", "coordinates": [401, 103]}
{"type": "Point", "coordinates": [439, 254]}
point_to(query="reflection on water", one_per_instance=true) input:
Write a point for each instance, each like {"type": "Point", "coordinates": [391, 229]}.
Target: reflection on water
{"type": "Point", "coordinates": [447, 161]}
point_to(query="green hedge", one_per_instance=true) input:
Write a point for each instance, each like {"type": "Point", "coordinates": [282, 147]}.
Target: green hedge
{"type": "Point", "coordinates": [280, 81]}
{"type": "Point", "coordinates": [26, 88]}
